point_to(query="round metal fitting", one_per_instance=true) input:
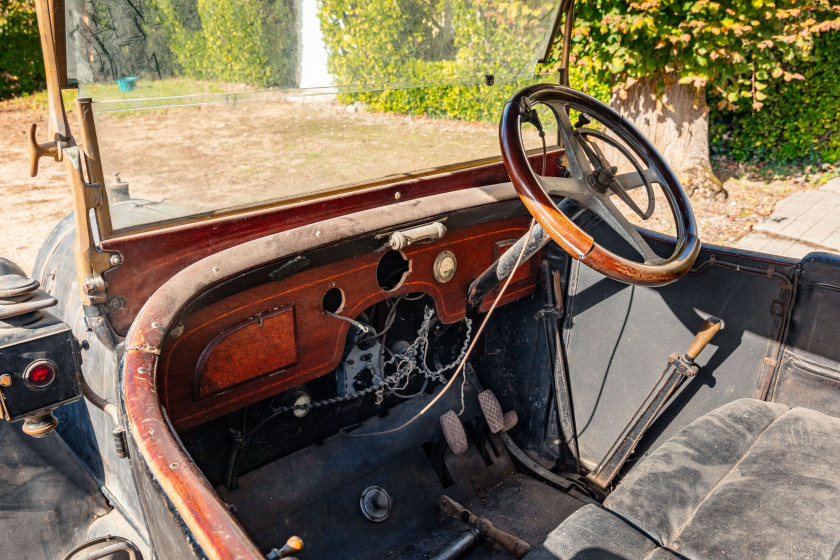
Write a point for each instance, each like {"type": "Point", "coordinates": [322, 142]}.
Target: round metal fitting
{"type": "Point", "coordinates": [6, 380]}
{"type": "Point", "coordinates": [12, 285]}
{"type": "Point", "coordinates": [115, 260]}
{"type": "Point", "coordinates": [376, 504]}
{"type": "Point", "coordinates": [40, 425]}
{"type": "Point", "coordinates": [445, 266]}
{"type": "Point", "coordinates": [38, 365]}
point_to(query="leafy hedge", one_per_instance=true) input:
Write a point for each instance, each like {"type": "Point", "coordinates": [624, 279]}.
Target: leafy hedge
{"type": "Point", "coordinates": [386, 41]}
{"type": "Point", "coordinates": [800, 120]}
{"type": "Point", "coordinates": [241, 41]}
{"type": "Point", "coordinates": [21, 68]}
{"type": "Point", "coordinates": [462, 102]}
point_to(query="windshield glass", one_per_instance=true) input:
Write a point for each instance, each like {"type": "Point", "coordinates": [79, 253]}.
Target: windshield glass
{"type": "Point", "coordinates": [214, 104]}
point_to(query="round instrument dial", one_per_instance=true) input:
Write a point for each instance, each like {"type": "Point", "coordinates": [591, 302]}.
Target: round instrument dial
{"type": "Point", "coordinates": [445, 266]}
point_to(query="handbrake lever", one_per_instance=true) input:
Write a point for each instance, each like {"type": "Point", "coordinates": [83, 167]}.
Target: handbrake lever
{"type": "Point", "coordinates": [710, 328]}
{"type": "Point", "coordinates": [678, 368]}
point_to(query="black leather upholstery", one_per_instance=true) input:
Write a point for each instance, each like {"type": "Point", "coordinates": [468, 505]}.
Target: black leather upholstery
{"type": "Point", "coordinates": [750, 480]}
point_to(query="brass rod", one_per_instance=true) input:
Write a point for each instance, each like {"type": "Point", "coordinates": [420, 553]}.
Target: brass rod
{"type": "Point", "coordinates": [93, 163]}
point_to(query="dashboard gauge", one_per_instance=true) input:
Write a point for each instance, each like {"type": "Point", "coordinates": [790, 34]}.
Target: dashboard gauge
{"type": "Point", "coordinates": [445, 266]}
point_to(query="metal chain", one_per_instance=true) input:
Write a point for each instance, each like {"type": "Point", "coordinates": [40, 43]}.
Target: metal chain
{"type": "Point", "coordinates": [406, 364]}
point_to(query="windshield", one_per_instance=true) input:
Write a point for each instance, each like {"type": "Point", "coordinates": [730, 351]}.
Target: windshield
{"type": "Point", "coordinates": [214, 104]}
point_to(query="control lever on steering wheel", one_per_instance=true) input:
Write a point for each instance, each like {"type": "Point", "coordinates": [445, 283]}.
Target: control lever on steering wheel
{"type": "Point", "coordinates": [498, 272]}
{"type": "Point", "coordinates": [604, 175]}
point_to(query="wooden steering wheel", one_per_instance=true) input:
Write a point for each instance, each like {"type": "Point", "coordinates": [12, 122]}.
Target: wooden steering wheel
{"type": "Point", "coordinates": [591, 181]}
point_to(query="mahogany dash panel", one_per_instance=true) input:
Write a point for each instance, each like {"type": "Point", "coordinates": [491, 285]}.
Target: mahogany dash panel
{"type": "Point", "coordinates": [320, 338]}
{"type": "Point", "coordinates": [229, 358]}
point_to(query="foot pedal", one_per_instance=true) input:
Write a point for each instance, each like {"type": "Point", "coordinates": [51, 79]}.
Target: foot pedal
{"type": "Point", "coordinates": [454, 432]}
{"type": "Point", "coordinates": [497, 420]}
{"type": "Point", "coordinates": [511, 420]}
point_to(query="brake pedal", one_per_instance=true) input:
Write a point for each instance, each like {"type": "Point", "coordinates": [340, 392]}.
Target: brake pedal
{"type": "Point", "coordinates": [453, 431]}
{"type": "Point", "coordinates": [497, 420]}
{"type": "Point", "coordinates": [511, 420]}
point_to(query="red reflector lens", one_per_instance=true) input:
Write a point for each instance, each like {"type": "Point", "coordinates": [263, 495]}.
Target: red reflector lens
{"type": "Point", "coordinates": [40, 375]}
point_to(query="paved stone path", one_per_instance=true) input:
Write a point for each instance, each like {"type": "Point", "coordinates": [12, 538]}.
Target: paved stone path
{"type": "Point", "coordinates": [804, 222]}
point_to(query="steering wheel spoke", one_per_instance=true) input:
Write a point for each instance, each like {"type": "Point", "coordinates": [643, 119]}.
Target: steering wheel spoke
{"type": "Point", "coordinates": [618, 186]}
{"type": "Point", "coordinates": [563, 186]}
{"type": "Point", "coordinates": [607, 211]}
{"type": "Point", "coordinates": [578, 161]}
{"type": "Point", "coordinates": [633, 179]}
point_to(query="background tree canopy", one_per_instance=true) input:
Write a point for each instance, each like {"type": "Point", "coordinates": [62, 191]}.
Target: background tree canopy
{"type": "Point", "coordinates": [229, 41]}
{"type": "Point", "coordinates": [800, 120]}
{"type": "Point", "coordinates": [404, 41]}
{"type": "Point", "coordinates": [233, 41]}
{"type": "Point", "coordinates": [662, 58]}
{"type": "Point", "coordinates": [21, 69]}
{"type": "Point", "coordinates": [736, 48]}
{"type": "Point", "coordinates": [769, 68]}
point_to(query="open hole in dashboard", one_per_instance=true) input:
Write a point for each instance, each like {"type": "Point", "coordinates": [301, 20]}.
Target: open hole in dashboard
{"type": "Point", "coordinates": [392, 269]}
{"type": "Point", "coordinates": [333, 301]}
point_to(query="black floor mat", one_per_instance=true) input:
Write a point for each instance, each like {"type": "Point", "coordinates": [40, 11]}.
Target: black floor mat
{"type": "Point", "coordinates": [315, 493]}
{"type": "Point", "coordinates": [521, 506]}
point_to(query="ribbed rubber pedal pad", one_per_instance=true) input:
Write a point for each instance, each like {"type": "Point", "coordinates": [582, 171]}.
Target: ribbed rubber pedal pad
{"type": "Point", "coordinates": [454, 432]}
{"type": "Point", "coordinates": [497, 420]}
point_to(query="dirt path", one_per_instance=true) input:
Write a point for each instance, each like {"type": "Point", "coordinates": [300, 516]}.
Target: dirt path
{"type": "Point", "coordinates": [218, 156]}
{"type": "Point", "coordinates": [31, 206]}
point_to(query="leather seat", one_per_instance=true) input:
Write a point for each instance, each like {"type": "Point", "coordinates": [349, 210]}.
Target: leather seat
{"type": "Point", "coordinates": [749, 480]}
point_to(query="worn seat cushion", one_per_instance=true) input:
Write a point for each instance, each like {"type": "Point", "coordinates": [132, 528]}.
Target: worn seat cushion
{"type": "Point", "coordinates": [748, 480]}
{"type": "Point", "coordinates": [593, 533]}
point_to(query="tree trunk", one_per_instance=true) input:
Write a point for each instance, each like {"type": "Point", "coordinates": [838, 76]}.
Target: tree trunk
{"type": "Point", "coordinates": [678, 126]}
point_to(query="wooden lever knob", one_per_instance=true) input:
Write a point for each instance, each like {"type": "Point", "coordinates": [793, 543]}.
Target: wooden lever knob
{"type": "Point", "coordinates": [709, 329]}
{"type": "Point", "coordinates": [292, 546]}
{"type": "Point", "coordinates": [37, 151]}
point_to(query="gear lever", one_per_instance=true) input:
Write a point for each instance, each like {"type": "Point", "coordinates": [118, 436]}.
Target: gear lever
{"type": "Point", "coordinates": [678, 368]}
{"type": "Point", "coordinates": [514, 545]}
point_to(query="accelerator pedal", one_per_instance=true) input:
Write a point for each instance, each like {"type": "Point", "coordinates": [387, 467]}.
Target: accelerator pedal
{"type": "Point", "coordinates": [453, 431]}
{"type": "Point", "coordinates": [497, 420]}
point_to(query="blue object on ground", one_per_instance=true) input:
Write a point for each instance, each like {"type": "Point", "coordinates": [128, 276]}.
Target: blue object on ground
{"type": "Point", "coordinates": [127, 84]}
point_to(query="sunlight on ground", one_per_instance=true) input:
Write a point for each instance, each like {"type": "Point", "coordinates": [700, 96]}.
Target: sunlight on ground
{"type": "Point", "coordinates": [217, 156]}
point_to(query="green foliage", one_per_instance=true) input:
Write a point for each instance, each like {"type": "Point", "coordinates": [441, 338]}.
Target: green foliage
{"type": "Point", "coordinates": [738, 47]}
{"type": "Point", "coordinates": [800, 121]}
{"type": "Point", "coordinates": [460, 101]}
{"type": "Point", "coordinates": [230, 40]}
{"type": "Point", "coordinates": [387, 41]}
{"type": "Point", "coordinates": [769, 68]}
{"type": "Point", "coordinates": [21, 66]}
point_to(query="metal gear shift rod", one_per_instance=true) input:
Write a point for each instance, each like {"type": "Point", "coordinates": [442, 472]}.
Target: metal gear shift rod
{"type": "Point", "coordinates": [678, 368]}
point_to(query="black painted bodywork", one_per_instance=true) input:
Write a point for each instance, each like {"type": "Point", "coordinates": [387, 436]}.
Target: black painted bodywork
{"type": "Point", "coordinates": [617, 338]}
{"type": "Point", "coordinates": [45, 338]}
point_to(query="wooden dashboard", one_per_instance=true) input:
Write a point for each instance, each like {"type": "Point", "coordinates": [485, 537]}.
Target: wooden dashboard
{"type": "Point", "coordinates": [274, 336]}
